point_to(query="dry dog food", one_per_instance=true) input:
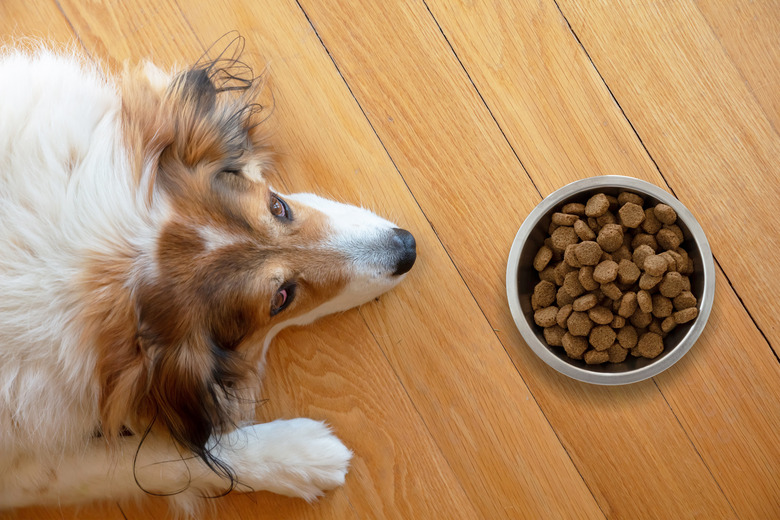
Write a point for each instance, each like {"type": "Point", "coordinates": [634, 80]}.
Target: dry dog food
{"type": "Point", "coordinates": [614, 279]}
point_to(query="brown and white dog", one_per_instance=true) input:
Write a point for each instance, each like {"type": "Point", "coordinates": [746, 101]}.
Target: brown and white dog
{"type": "Point", "coordinates": [145, 266]}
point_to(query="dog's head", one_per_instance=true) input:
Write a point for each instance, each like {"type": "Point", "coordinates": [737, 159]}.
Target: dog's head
{"type": "Point", "coordinates": [231, 262]}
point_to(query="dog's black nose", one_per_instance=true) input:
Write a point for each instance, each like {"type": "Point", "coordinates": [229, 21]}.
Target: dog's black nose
{"type": "Point", "coordinates": [406, 248]}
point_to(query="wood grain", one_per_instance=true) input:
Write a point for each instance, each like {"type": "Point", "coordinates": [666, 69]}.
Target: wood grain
{"type": "Point", "coordinates": [458, 188]}
{"type": "Point", "coordinates": [473, 402]}
{"type": "Point", "coordinates": [749, 33]}
{"type": "Point", "coordinates": [676, 84]}
{"type": "Point", "coordinates": [572, 106]}
{"type": "Point", "coordinates": [454, 119]}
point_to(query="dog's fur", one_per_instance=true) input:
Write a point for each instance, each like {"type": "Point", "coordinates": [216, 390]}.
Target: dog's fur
{"type": "Point", "coordinates": [145, 265]}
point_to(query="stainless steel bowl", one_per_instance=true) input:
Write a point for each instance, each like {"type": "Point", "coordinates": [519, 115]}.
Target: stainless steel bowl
{"type": "Point", "coordinates": [521, 278]}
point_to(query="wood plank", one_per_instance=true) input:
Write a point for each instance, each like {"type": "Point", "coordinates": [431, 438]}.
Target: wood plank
{"type": "Point", "coordinates": [482, 417]}
{"type": "Point", "coordinates": [750, 34]}
{"type": "Point", "coordinates": [394, 475]}
{"type": "Point", "coordinates": [475, 194]}
{"type": "Point", "coordinates": [572, 129]}
{"type": "Point", "coordinates": [699, 121]}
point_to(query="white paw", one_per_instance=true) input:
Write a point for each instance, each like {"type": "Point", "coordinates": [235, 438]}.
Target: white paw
{"type": "Point", "coordinates": [299, 458]}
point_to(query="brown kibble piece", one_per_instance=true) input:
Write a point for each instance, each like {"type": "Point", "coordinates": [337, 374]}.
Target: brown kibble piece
{"type": "Point", "coordinates": [574, 208]}
{"type": "Point", "coordinates": [563, 298]}
{"type": "Point", "coordinates": [562, 237]}
{"type": "Point", "coordinates": [542, 258]}
{"type": "Point", "coordinates": [624, 197]}
{"type": "Point", "coordinates": [641, 253]}
{"type": "Point", "coordinates": [600, 315]}
{"type": "Point", "coordinates": [668, 324]}
{"type": "Point", "coordinates": [628, 305]}
{"type": "Point", "coordinates": [631, 215]}
{"type": "Point", "coordinates": [595, 357]}
{"type": "Point", "coordinates": [643, 239]}
{"type": "Point", "coordinates": [602, 337]}
{"type": "Point", "coordinates": [650, 345]}
{"type": "Point", "coordinates": [645, 301]}
{"type": "Point", "coordinates": [668, 239]}
{"type": "Point", "coordinates": [544, 293]}
{"type": "Point", "coordinates": [685, 315]}
{"type": "Point", "coordinates": [628, 272]}
{"type": "Point", "coordinates": [547, 274]}
{"type": "Point", "coordinates": [671, 285]}
{"type": "Point", "coordinates": [648, 281]}
{"type": "Point", "coordinates": [572, 284]}
{"type": "Point", "coordinates": [610, 237]}
{"type": "Point", "coordinates": [570, 257]}
{"type": "Point", "coordinates": [665, 214]}
{"type": "Point", "coordinates": [684, 300]}
{"type": "Point", "coordinates": [627, 337]}
{"type": "Point", "coordinates": [606, 218]}
{"type": "Point", "coordinates": [611, 291]}
{"type": "Point", "coordinates": [662, 306]}
{"type": "Point", "coordinates": [563, 315]}
{"type": "Point", "coordinates": [597, 205]}
{"type": "Point", "coordinates": [618, 322]}
{"type": "Point", "coordinates": [561, 270]}
{"type": "Point", "coordinates": [583, 231]}
{"type": "Point", "coordinates": [588, 252]}
{"type": "Point", "coordinates": [651, 224]}
{"type": "Point", "coordinates": [622, 253]}
{"type": "Point", "coordinates": [579, 324]}
{"type": "Point", "coordinates": [592, 224]}
{"type": "Point", "coordinates": [564, 219]}
{"type": "Point", "coordinates": [640, 319]}
{"type": "Point", "coordinates": [586, 278]}
{"type": "Point", "coordinates": [617, 354]}
{"type": "Point", "coordinates": [655, 326]}
{"type": "Point", "coordinates": [583, 303]}
{"type": "Point", "coordinates": [554, 336]}
{"type": "Point", "coordinates": [605, 272]}
{"type": "Point", "coordinates": [575, 346]}
{"type": "Point", "coordinates": [546, 317]}
{"type": "Point", "coordinates": [655, 265]}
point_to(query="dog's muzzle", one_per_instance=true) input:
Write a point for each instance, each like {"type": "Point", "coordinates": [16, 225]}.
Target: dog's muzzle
{"type": "Point", "coordinates": [405, 249]}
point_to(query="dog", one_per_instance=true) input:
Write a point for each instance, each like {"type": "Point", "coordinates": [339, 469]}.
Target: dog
{"type": "Point", "coordinates": [145, 266]}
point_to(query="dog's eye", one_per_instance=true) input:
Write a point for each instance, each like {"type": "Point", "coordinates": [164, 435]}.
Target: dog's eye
{"type": "Point", "coordinates": [279, 208]}
{"type": "Point", "coordinates": [283, 297]}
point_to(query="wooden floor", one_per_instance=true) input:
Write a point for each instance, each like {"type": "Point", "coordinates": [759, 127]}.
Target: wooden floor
{"type": "Point", "coordinates": [455, 118]}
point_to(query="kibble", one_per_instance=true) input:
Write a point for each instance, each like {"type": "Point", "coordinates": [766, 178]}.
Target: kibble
{"type": "Point", "coordinates": [546, 317]}
{"type": "Point", "coordinates": [605, 272]}
{"type": "Point", "coordinates": [575, 346]}
{"type": "Point", "coordinates": [662, 306]}
{"type": "Point", "coordinates": [588, 252]}
{"type": "Point", "coordinates": [613, 278]}
{"type": "Point", "coordinates": [665, 214]}
{"type": "Point", "coordinates": [602, 337]}
{"type": "Point", "coordinates": [564, 219]}
{"type": "Point", "coordinates": [579, 324]}
{"type": "Point", "coordinates": [554, 335]}
{"type": "Point", "coordinates": [597, 205]}
{"type": "Point", "coordinates": [600, 315]}
{"type": "Point", "coordinates": [685, 315]}
{"type": "Point", "coordinates": [650, 345]}
{"type": "Point", "coordinates": [584, 303]}
{"type": "Point", "coordinates": [631, 215]}
{"type": "Point", "coordinates": [610, 237]}
{"type": "Point", "coordinates": [596, 357]}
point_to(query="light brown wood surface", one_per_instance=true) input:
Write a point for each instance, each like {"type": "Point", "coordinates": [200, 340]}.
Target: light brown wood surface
{"type": "Point", "coordinates": [455, 118]}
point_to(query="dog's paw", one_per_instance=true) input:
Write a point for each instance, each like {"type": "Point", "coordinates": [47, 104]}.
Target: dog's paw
{"type": "Point", "coordinates": [299, 458]}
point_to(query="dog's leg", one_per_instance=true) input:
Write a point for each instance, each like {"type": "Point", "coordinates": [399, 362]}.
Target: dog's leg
{"type": "Point", "coordinates": [299, 457]}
